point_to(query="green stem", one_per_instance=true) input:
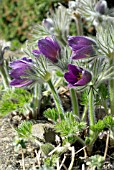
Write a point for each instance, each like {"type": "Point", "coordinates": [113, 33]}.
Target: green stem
{"type": "Point", "coordinates": [111, 90]}
{"type": "Point", "coordinates": [80, 140]}
{"type": "Point", "coordinates": [37, 100]}
{"type": "Point", "coordinates": [84, 112]}
{"type": "Point", "coordinates": [105, 106]}
{"type": "Point", "coordinates": [74, 101]}
{"type": "Point", "coordinates": [4, 77]}
{"type": "Point", "coordinates": [58, 82]}
{"type": "Point", "coordinates": [91, 121]}
{"type": "Point", "coordinates": [91, 108]}
{"type": "Point", "coordinates": [56, 99]}
{"type": "Point", "coordinates": [92, 141]}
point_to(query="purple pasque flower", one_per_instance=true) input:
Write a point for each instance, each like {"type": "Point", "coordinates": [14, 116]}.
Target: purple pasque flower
{"type": "Point", "coordinates": [82, 46]}
{"type": "Point", "coordinates": [77, 76]}
{"type": "Point", "coordinates": [49, 48]}
{"type": "Point", "coordinates": [19, 72]}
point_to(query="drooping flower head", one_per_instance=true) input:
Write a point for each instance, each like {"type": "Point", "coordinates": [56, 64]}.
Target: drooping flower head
{"type": "Point", "coordinates": [82, 47]}
{"type": "Point", "coordinates": [49, 48]}
{"type": "Point", "coordinates": [19, 72]}
{"type": "Point", "coordinates": [77, 76]}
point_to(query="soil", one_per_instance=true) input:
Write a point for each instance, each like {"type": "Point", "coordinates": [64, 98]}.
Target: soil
{"type": "Point", "coordinates": [7, 155]}
{"type": "Point", "coordinates": [43, 131]}
{"type": "Point", "coordinates": [10, 159]}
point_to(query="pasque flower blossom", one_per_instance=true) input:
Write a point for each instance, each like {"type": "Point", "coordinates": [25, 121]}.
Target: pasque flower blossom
{"type": "Point", "coordinates": [19, 72]}
{"type": "Point", "coordinates": [77, 76]}
{"type": "Point", "coordinates": [82, 47]}
{"type": "Point", "coordinates": [49, 48]}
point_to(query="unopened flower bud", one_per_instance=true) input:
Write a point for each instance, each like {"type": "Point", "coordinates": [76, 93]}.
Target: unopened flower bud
{"type": "Point", "coordinates": [101, 6]}
{"type": "Point", "coordinates": [48, 23]}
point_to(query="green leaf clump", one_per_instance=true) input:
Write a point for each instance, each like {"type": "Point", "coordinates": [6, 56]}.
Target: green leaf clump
{"type": "Point", "coordinates": [107, 122]}
{"type": "Point", "coordinates": [44, 167]}
{"type": "Point", "coordinates": [51, 161]}
{"type": "Point", "coordinates": [47, 148]}
{"type": "Point", "coordinates": [102, 94]}
{"type": "Point", "coordinates": [70, 127]}
{"type": "Point", "coordinates": [17, 99]}
{"type": "Point", "coordinates": [98, 127]}
{"type": "Point", "coordinates": [95, 161]}
{"type": "Point", "coordinates": [84, 97]}
{"type": "Point", "coordinates": [51, 114]}
{"type": "Point", "coordinates": [24, 131]}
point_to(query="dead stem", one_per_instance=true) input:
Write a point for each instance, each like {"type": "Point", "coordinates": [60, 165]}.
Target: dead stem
{"type": "Point", "coordinates": [54, 150]}
{"type": "Point", "coordinates": [107, 142]}
{"type": "Point", "coordinates": [23, 162]}
{"type": "Point", "coordinates": [38, 157]}
{"type": "Point", "coordinates": [62, 162]}
{"type": "Point", "coordinates": [73, 156]}
{"type": "Point", "coordinates": [81, 150]}
{"type": "Point", "coordinates": [83, 166]}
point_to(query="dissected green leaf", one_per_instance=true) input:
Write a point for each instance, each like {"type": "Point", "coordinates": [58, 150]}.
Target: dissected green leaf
{"type": "Point", "coordinates": [51, 114]}
{"type": "Point", "coordinates": [14, 100]}
{"type": "Point", "coordinates": [70, 127]}
{"type": "Point", "coordinates": [24, 131]}
{"type": "Point", "coordinates": [95, 161]}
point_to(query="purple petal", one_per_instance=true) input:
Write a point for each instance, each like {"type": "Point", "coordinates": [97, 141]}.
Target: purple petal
{"type": "Point", "coordinates": [80, 40]}
{"type": "Point", "coordinates": [74, 69]}
{"type": "Point", "coordinates": [20, 63]}
{"type": "Point", "coordinates": [36, 53]}
{"type": "Point", "coordinates": [70, 78]}
{"type": "Point", "coordinates": [49, 48]}
{"type": "Point", "coordinates": [27, 60]}
{"type": "Point", "coordinates": [83, 52]}
{"type": "Point", "coordinates": [20, 82]}
{"type": "Point", "coordinates": [16, 73]}
{"type": "Point", "coordinates": [19, 69]}
{"type": "Point", "coordinates": [17, 64]}
{"type": "Point", "coordinates": [86, 78]}
{"type": "Point", "coordinates": [73, 75]}
{"type": "Point", "coordinates": [77, 76]}
{"type": "Point", "coordinates": [58, 48]}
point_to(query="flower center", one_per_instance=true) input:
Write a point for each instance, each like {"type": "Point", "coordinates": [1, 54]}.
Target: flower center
{"type": "Point", "coordinates": [79, 76]}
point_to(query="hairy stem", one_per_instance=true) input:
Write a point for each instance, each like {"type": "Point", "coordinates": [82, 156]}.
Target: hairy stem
{"type": "Point", "coordinates": [80, 140]}
{"type": "Point", "coordinates": [111, 90]}
{"type": "Point", "coordinates": [4, 76]}
{"type": "Point", "coordinates": [93, 136]}
{"type": "Point", "coordinates": [37, 100]}
{"type": "Point", "coordinates": [74, 101]}
{"type": "Point", "coordinates": [84, 112]}
{"type": "Point", "coordinates": [91, 108]}
{"type": "Point", "coordinates": [56, 99]}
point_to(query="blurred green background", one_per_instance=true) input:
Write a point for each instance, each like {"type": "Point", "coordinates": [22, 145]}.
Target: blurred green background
{"type": "Point", "coordinates": [17, 17]}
